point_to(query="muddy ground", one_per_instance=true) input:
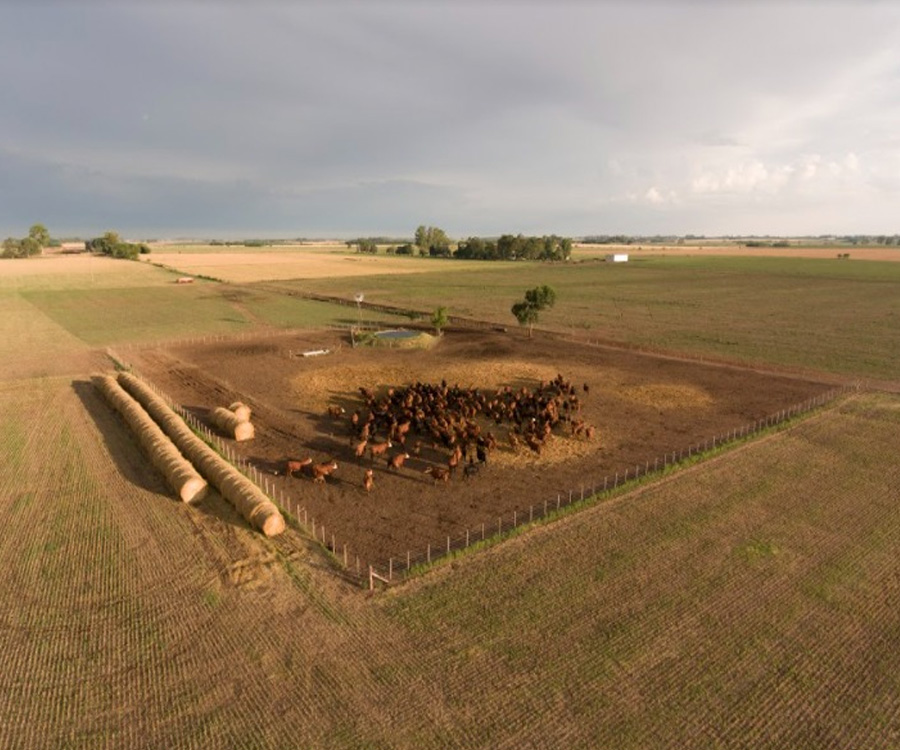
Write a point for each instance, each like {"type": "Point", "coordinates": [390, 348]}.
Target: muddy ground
{"type": "Point", "coordinates": [642, 406]}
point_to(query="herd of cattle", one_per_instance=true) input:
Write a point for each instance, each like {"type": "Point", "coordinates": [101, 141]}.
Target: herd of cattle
{"type": "Point", "coordinates": [449, 427]}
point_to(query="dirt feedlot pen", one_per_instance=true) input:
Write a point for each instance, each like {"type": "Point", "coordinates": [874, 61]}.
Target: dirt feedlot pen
{"type": "Point", "coordinates": [645, 408]}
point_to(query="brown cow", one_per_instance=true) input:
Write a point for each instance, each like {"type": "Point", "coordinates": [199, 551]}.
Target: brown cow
{"type": "Point", "coordinates": [438, 473]}
{"type": "Point", "coordinates": [293, 466]}
{"type": "Point", "coordinates": [360, 449]}
{"type": "Point", "coordinates": [379, 449]}
{"type": "Point", "coordinates": [369, 480]}
{"type": "Point", "coordinates": [321, 471]}
{"type": "Point", "coordinates": [396, 461]}
{"type": "Point", "coordinates": [336, 411]}
{"type": "Point", "coordinates": [455, 458]}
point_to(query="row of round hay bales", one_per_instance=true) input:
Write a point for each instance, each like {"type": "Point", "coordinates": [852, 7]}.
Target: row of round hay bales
{"type": "Point", "coordinates": [233, 424]}
{"type": "Point", "coordinates": [163, 453]}
{"type": "Point", "coordinates": [244, 495]}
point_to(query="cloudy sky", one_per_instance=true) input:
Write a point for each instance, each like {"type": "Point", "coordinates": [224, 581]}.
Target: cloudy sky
{"type": "Point", "coordinates": [213, 118]}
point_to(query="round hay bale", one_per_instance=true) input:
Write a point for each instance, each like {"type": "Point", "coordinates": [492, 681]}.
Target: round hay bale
{"type": "Point", "coordinates": [229, 423]}
{"type": "Point", "coordinates": [163, 453]}
{"type": "Point", "coordinates": [241, 411]}
{"type": "Point", "coordinates": [244, 495]}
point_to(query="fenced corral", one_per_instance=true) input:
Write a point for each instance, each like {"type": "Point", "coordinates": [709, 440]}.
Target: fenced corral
{"type": "Point", "coordinates": [405, 544]}
{"type": "Point", "coordinates": [399, 568]}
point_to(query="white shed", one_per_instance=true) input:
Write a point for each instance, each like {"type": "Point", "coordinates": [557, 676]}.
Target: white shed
{"type": "Point", "coordinates": [617, 258]}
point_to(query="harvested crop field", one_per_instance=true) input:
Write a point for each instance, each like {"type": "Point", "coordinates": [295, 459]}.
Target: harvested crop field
{"type": "Point", "coordinates": [266, 265]}
{"type": "Point", "coordinates": [642, 407]}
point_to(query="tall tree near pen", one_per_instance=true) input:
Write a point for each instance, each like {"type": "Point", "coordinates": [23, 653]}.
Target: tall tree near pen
{"type": "Point", "coordinates": [537, 299]}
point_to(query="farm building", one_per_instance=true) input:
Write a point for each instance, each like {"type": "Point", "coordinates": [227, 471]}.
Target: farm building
{"type": "Point", "coordinates": [617, 258]}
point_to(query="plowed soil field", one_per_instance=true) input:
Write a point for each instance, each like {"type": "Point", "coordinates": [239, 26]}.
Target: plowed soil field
{"type": "Point", "coordinates": [642, 407]}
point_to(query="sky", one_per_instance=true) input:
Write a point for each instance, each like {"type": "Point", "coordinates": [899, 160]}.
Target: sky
{"type": "Point", "coordinates": [222, 119]}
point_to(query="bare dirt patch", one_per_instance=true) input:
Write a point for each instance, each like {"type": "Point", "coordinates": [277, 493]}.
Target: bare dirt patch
{"type": "Point", "coordinates": [642, 407]}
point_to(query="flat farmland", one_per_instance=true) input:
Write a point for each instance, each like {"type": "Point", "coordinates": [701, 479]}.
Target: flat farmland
{"type": "Point", "coordinates": [749, 600]}
{"type": "Point", "coordinates": [813, 314]}
{"type": "Point", "coordinates": [890, 254]}
{"type": "Point", "coordinates": [298, 263]}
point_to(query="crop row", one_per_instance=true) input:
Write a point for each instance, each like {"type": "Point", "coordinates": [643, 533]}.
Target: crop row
{"type": "Point", "coordinates": [717, 606]}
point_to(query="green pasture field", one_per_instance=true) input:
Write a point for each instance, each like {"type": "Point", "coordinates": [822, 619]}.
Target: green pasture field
{"type": "Point", "coordinates": [828, 315]}
{"type": "Point", "coordinates": [284, 311]}
{"type": "Point", "coordinates": [68, 303]}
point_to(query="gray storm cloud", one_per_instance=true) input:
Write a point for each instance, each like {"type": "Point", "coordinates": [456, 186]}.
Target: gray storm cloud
{"type": "Point", "coordinates": [356, 118]}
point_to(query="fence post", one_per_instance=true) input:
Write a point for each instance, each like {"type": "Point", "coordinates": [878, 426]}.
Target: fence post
{"type": "Point", "coordinates": [467, 538]}
{"type": "Point", "coordinates": [428, 553]}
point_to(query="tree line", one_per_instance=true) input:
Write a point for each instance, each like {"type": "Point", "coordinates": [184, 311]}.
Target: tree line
{"type": "Point", "coordinates": [433, 242]}
{"type": "Point", "coordinates": [38, 238]}
{"type": "Point", "coordinates": [112, 245]}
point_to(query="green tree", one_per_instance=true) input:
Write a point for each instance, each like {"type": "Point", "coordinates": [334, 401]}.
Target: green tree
{"type": "Point", "coordinates": [111, 244]}
{"type": "Point", "coordinates": [526, 311]}
{"type": "Point", "coordinates": [30, 247]}
{"type": "Point", "coordinates": [38, 238]}
{"type": "Point", "coordinates": [12, 248]}
{"type": "Point", "coordinates": [39, 234]}
{"type": "Point", "coordinates": [432, 241]}
{"type": "Point", "coordinates": [439, 319]}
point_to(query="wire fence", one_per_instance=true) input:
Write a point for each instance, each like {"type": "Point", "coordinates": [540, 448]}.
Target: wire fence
{"type": "Point", "coordinates": [401, 567]}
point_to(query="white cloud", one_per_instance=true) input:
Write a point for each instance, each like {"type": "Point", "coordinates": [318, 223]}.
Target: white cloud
{"type": "Point", "coordinates": [654, 196]}
{"type": "Point", "coordinates": [805, 172]}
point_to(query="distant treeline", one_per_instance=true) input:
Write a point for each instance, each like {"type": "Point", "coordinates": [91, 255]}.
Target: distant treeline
{"type": "Point", "coordinates": [518, 247]}
{"type": "Point", "coordinates": [746, 240]}
{"type": "Point", "coordinates": [433, 242]}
